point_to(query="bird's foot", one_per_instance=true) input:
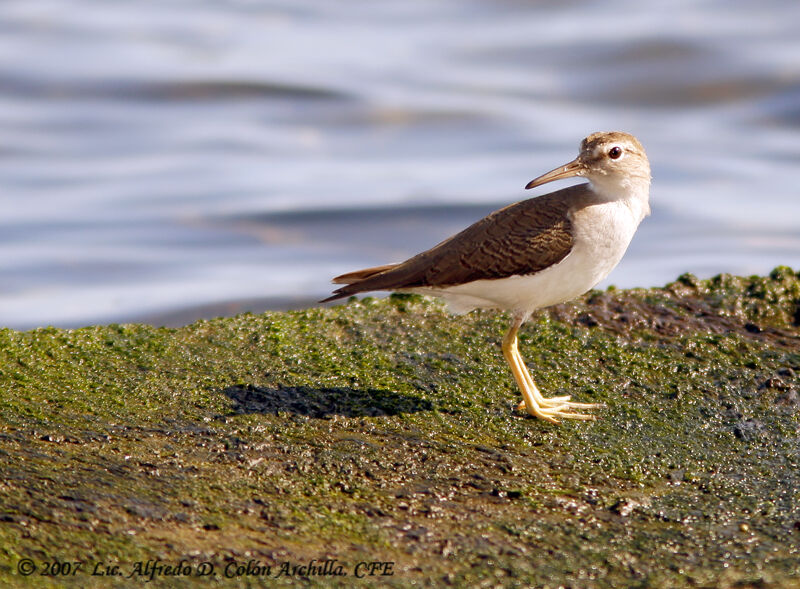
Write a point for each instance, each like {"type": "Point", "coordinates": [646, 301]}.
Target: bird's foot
{"type": "Point", "coordinates": [550, 401]}
{"type": "Point", "coordinates": [560, 403]}
{"type": "Point", "coordinates": [560, 408]}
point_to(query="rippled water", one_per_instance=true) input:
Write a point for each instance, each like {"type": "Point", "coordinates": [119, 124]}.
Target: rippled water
{"type": "Point", "coordinates": [165, 161]}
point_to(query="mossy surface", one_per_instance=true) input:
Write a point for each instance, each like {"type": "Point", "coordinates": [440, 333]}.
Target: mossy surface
{"type": "Point", "coordinates": [383, 430]}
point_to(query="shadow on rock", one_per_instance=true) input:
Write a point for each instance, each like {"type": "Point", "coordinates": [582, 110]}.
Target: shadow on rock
{"type": "Point", "coordinates": [322, 403]}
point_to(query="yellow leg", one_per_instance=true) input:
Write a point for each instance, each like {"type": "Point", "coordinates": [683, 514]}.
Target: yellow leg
{"type": "Point", "coordinates": [533, 401]}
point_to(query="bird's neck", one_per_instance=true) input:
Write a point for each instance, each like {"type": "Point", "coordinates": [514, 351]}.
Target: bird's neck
{"type": "Point", "coordinates": [632, 191]}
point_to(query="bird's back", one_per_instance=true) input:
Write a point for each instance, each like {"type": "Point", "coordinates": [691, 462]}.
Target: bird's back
{"type": "Point", "coordinates": [520, 239]}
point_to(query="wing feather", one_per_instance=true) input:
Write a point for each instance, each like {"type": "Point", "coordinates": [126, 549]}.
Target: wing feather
{"type": "Point", "coordinates": [523, 238]}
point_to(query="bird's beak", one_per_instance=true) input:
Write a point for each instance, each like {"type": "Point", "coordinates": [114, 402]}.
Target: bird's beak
{"type": "Point", "coordinates": [574, 168]}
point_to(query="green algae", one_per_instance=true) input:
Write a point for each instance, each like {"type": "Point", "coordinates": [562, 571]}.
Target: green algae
{"type": "Point", "coordinates": [383, 430]}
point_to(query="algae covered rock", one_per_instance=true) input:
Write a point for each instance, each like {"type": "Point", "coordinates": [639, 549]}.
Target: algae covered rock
{"type": "Point", "coordinates": [307, 446]}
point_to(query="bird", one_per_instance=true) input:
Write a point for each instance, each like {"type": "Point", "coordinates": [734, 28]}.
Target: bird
{"type": "Point", "coordinates": [532, 254]}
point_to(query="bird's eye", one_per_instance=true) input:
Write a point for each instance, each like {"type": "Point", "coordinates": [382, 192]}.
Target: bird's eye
{"type": "Point", "coordinates": [615, 152]}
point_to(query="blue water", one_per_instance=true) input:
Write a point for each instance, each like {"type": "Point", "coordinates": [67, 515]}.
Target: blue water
{"type": "Point", "coordinates": [166, 161]}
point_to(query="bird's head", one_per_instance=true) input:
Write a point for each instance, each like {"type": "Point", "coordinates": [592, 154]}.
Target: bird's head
{"type": "Point", "coordinates": [613, 162]}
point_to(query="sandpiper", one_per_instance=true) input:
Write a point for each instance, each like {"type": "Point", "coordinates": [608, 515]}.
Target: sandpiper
{"type": "Point", "coordinates": [534, 253]}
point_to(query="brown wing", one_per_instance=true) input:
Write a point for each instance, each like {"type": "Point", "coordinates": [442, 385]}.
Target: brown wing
{"type": "Point", "coordinates": [522, 238]}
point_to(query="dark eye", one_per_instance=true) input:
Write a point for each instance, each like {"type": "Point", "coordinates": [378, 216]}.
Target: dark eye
{"type": "Point", "coordinates": [615, 152]}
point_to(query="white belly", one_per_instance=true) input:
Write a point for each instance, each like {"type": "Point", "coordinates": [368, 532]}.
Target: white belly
{"type": "Point", "coordinates": [601, 235]}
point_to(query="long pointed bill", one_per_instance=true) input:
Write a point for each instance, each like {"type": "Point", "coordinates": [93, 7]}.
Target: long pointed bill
{"type": "Point", "coordinates": [574, 168]}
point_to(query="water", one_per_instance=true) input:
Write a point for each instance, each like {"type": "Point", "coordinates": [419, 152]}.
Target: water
{"type": "Point", "coordinates": [164, 161]}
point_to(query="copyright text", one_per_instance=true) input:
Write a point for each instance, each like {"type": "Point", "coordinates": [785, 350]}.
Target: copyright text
{"type": "Point", "coordinates": [151, 569]}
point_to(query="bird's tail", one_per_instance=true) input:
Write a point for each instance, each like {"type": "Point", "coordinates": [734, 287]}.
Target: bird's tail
{"type": "Point", "coordinates": [352, 280]}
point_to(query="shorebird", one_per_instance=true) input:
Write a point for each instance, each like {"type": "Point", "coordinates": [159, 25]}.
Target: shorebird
{"type": "Point", "coordinates": [534, 253]}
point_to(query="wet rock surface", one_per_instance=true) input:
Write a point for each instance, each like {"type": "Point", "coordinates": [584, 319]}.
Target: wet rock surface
{"type": "Point", "coordinates": [384, 431]}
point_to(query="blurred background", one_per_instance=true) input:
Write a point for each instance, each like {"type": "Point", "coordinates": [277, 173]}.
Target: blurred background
{"type": "Point", "coordinates": [165, 161]}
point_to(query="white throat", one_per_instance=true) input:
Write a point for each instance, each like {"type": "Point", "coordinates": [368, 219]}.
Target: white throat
{"type": "Point", "coordinates": [633, 191]}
